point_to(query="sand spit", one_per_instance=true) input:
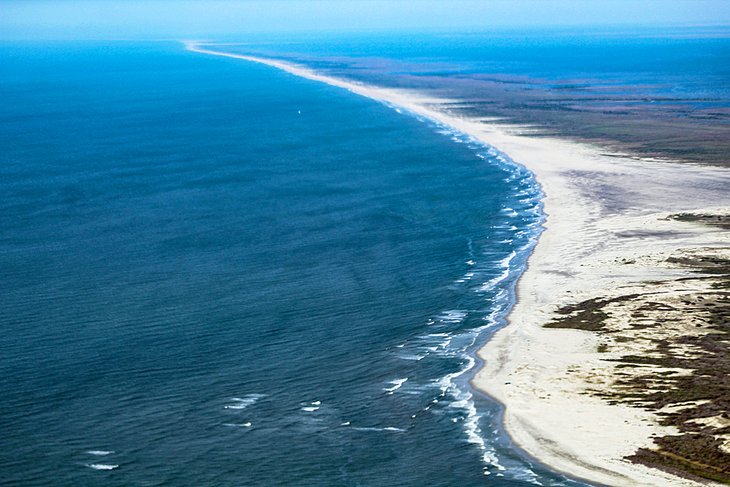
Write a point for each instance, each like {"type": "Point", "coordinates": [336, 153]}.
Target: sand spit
{"type": "Point", "coordinates": [612, 231]}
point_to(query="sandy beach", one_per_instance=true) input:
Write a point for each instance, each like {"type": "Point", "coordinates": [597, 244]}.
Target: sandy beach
{"type": "Point", "coordinates": [610, 233]}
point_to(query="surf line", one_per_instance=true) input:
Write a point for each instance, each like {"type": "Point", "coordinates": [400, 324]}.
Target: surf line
{"type": "Point", "coordinates": [413, 103]}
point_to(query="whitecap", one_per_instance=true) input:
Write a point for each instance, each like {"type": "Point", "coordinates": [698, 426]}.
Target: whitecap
{"type": "Point", "coordinates": [99, 453]}
{"type": "Point", "coordinates": [243, 402]}
{"type": "Point", "coordinates": [463, 400]}
{"type": "Point", "coordinates": [444, 339]}
{"type": "Point", "coordinates": [505, 264]}
{"type": "Point", "coordinates": [452, 316]}
{"type": "Point", "coordinates": [487, 286]}
{"type": "Point", "coordinates": [386, 428]}
{"type": "Point", "coordinates": [508, 211]}
{"type": "Point", "coordinates": [395, 385]}
{"type": "Point", "coordinates": [417, 358]}
{"type": "Point", "coordinates": [101, 466]}
{"type": "Point", "coordinates": [310, 409]}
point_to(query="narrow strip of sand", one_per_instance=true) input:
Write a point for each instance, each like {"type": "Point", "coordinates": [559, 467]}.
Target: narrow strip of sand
{"type": "Point", "coordinates": [604, 210]}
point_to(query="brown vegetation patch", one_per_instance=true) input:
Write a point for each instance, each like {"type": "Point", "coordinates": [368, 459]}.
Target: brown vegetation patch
{"type": "Point", "coordinates": [587, 315]}
{"type": "Point", "coordinates": [722, 221]}
{"type": "Point", "coordinates": [698, 455]}
{"type": "Point", "coordinates": [671, 349]}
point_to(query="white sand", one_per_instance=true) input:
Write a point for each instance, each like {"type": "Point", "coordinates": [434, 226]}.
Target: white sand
{"type": "Point", "coordinates": [593, 202]}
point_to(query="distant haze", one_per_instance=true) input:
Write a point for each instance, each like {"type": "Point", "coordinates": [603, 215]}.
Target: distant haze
{"type": "Point", "coordinates": [59, 19]}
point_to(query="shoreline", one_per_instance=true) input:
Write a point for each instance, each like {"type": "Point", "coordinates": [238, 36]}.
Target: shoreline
{"type": "Point", "coordinates": [598, 210]}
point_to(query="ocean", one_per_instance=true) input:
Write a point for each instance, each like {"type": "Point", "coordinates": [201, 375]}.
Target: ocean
{"type": "Point", "coordinates": [680, 64]}
{"type": "Point", "coordinates": [659, 93]}
{"type": "Point", "coordinates": [216, 273]}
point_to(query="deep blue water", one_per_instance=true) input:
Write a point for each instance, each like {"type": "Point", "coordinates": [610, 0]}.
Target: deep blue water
{"type": "Point", "coordinates": [216, 273]}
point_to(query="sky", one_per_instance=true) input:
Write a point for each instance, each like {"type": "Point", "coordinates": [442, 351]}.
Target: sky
{"type": "Point", "coordinates": [68, 19]}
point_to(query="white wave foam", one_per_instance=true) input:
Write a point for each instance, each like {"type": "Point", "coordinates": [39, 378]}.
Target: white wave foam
{"type": "Point", "coordinates": [313, 406]}
{"type": "Point", "coordinates": [243, 402]}
{"type": "Point", "coordinates": [238, 425]}
{"type": "Point", "coordinates": [489, 285]}
{"type": "Point", "coordinates": [526, 475]}
{"type": "Point", "coordinates": [396, 384]}
{"type": "Point", "coordinates": [467, 277]}
{"type": "Point", "coordinates": [416, 358]}
{"type": "Point", "coordinates": [505, 265]}
{"type": "Point", "coordinates": [446, 339]}
{"type": "Point", "coordinates": [473, 432]}
{"type": "Point", "coordinates": [463, 401]}
{"type": "Point", "coordinates": [452, 316]}
{"type": "Point", "coordinates": [437, 343]}
{"type": "Point", "coordinates": [502, 226]}
{"type": "Point", "coordinates": [99, 453]}
{"type": "Point", "coordinates": [101, 466]}
{"type": "Point", "coordinates": [387, 428]}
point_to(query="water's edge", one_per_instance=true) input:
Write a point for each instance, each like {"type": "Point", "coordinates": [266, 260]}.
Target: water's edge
{"type": "Point", "coordinates": [517, 266]}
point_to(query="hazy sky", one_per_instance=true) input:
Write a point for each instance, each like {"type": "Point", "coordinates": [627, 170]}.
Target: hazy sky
{"type": "Point", "coordinates": [208, 18]}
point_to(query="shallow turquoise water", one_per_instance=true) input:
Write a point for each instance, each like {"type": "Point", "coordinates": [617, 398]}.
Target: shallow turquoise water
{"type": "Point", "coordinates": [216, 273]}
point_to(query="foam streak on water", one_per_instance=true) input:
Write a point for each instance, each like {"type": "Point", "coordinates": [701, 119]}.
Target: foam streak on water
{"type": "Point", "coordinates": [495, 281]}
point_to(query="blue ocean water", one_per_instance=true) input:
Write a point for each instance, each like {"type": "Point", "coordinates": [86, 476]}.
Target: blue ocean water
{"type": "Point", "coordinates": [687, 63]}
{"type": "Point", "coordinates": [216, 273]}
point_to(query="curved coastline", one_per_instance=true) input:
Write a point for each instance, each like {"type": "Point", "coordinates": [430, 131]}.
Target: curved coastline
{"type": "Point", "coordinates": [549, 416]}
